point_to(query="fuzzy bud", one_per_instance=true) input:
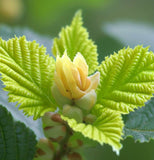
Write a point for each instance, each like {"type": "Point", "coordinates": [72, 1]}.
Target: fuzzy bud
{"type": "Point", "coordinates": [54, 127]}
{"type": "Point", "coordinates": [73, 112]}
{"type": "Point", "coordinates": [87, 101]}
{"type": "Point", "coordinates": [51, 119]}
{"type": "Point", "coordinates": [55, 133]}
{"type": "Point", "coordinates": [90, 118]}
{"type": "Point", "coordinates": [45, 150]}
{"type": "Point", "coordinates": [59, 98]}
{"type": "Point", "coordinates": [71, 77]}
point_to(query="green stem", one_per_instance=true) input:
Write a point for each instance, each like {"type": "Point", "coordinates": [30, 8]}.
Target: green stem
{"type": "Point", "coordinates": [63, 146]}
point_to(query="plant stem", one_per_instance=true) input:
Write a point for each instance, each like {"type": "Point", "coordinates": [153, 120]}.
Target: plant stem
{"type": "Point", "coordinates": [64, 150]}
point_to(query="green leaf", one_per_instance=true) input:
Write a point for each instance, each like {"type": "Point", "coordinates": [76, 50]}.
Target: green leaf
{"type": "Point", "coordinates": [28, 75]}
{"type": "Point", "coordinates": [106, 129]}
{"type": "Point", "coordinates": [7, 32]}
{"type": "Point", "coordinates": [35, 125]}
{"type": "Point", "coordinates": [74, 38]}
{"type": "Point", "coordinates": [126, 79]}
{"type": "Point", "coordinates": [16, 140]}
{"type": "Point", "coordinates": [139, 124]}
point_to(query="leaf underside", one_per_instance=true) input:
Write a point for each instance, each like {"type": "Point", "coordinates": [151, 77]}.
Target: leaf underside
{"type": "Point", "coordinates": [139, 124]}
{"type": "Point", "coordinates": [127, 79]}
{"type": "Point", "coordinates": [106, 129]}
{"type": "Point", "coordinates": [28, 75]}
{"type": "Point", "coordinates": [16, 140]}
{"type": "Point", "coordinates": [75, 38]}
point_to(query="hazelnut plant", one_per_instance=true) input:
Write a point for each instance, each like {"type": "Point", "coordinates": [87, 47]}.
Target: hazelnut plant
{"type": "Point", "coordinates": [81, 102]}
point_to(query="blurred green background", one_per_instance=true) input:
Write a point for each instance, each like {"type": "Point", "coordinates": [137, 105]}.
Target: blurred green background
{"type": "Point", "coordinates": [112, 24]}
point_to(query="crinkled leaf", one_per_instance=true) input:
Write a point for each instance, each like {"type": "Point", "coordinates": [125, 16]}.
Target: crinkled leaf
{"type": "Point", "coordinates": [16, 140]}
{"type": "Point", "coordinates": [7, 32]}
{"type": "Point", "coordinates": [28, 75]}
{"type": "Point", "coordinates": [75, 38]}
{"type": "Point", "coordinates": [106, 129]}
{"type": "Point", "coordinates": [127, 79]}
{"type": "Point", "coordinates": [18, 115]}
{"type": "Point", "coordinates": [140, 124]}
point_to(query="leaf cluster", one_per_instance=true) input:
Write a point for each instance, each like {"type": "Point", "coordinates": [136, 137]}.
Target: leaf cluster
{"type": "Point", "coordinates": [126, 82]}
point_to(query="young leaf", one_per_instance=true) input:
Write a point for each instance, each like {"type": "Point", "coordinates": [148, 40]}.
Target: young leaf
{"type": "Point", "coordinates": [28, 75]}
{"type": "Point", "coordinates": [139, 124]}
{"type": "Point", "coordinates": [74, 38]}
{"type": "Point", "coordinates": [127, 79]}
{"type": "Point", "coordinates": [106, 129]}
{"type": "Point", "coordinates": [18, 115]}
{"type": "Point", "coordinates": [16, 140]}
